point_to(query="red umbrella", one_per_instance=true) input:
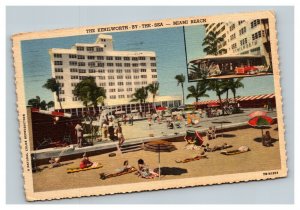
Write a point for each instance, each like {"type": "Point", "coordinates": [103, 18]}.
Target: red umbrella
{"type": "Point", "coordinates": [257, 114]}
{"type": "Point", "coordinates": [261, 122]}
{"type": "Point", "coordinates": [161, 108]}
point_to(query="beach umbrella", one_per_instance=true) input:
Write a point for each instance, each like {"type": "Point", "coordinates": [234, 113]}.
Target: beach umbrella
{"type": "Point", "coordinates": [221, 123]}
{"type": "Point", "coordinates": [159, 146]}
{"type": "Point", "coordinates": [257, 114]}
{"type": "Point", "coordinates": [261, 122]}
{"type": "Point", "coordinates": [161, 108]}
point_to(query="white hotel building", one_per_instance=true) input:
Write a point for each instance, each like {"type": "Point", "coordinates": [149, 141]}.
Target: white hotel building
{"type": "Point", "coordinates": [120, 73]}
{"type": "Point", "coordinates": [243, 37]}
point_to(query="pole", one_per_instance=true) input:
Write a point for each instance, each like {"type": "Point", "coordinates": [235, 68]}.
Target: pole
{"type": "Point", "coordinates": [159, 161]}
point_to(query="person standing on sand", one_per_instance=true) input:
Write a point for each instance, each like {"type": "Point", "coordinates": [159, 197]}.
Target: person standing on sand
{"type": "Point", "coordinates": [79, 134]}
{"type": "Point", "coordinates": [119, 134]}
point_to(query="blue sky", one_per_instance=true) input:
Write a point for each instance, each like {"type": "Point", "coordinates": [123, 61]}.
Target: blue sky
{"type": "Point", "coordinates": [167, 43]}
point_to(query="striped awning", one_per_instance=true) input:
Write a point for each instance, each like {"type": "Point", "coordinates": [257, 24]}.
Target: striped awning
{"type": "Point", "coordinates": [52, 113]}
{"type": "Point", "coordinates": [239, 99]}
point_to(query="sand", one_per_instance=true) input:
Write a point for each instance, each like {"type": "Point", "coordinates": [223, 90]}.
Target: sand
{"type": "Point", "coordinates": [259, 158]}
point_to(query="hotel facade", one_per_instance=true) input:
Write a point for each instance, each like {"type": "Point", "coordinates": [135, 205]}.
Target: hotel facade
{"type": "Point", "coordinates": [243, 37]}
{"type": "Point", "coordinates": [120, 73]}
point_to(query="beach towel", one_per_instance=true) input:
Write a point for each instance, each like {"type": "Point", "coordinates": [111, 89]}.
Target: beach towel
{"type": "Point", "coordinates": [128, 171]}
{"type": "Point", "coordinates": [78, 169]}
{"type": "Point", "coordinates": [191, 159]}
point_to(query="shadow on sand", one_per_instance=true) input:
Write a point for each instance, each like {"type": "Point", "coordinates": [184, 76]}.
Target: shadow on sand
{"type": "Point", "coordinates": [171, 171]}
{"type": "Point", "coordinates": [259, 140]}
{"type": "Point", "coordinates": [226, 135]}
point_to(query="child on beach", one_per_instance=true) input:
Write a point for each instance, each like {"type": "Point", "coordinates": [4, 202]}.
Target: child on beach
{"type": "Point", "coordinates": [85, 162]}
{"type": "Point", "coordinates": [144, 170]}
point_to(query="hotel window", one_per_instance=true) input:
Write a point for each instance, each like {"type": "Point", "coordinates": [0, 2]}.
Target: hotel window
{"type": "Point", "coordinates": [110, 71]}
{"type": "Point", "coordinates": [118, 58]}
{"type": "Point", "coordinates": [99, 49]}
{"type": "Point", "coordinates": [127, 71]}
{"type": "Point", "coordinates": [137, 83]}
{"type": "Point", "coordinates": [233, 46]}
{"type": "Point", "coordinates": [255, 23]}
{"type": "Point", "coordinates": [129, 96]}
{"type": "Point", "coordinates": [90, 49]}
{"type": "Point", "coordinates": [110, 64]}
{"type": "Point", "coordinates": [101, 71]}
{"type": "Point", "coordinates": [73, 63]}
{"type": "Point", "coordinates": [256, 35]}
{"type": "Point", "coordinates": [91, 57]}
{"type": "Point", "coordinates": [111, 77]}
{"type": "Point", "coordinates": [142, 64]}
{"type": "Point", "coordinates": [128, 83]}
{"type": "Point", "coordinates": [232, 36]}
{"type": "Point", "coordinates": [103, 40]}
{"type": "Point", "coordinates": [58, 63]}
{"type": "Point", "coordinates": [100, 57]}
{"type": "Point", "coordinates": [81, 70]}
{"type": "Point", "coordinates": [109, 58]}
{"type": "Point", "coordinates": [241, 21]}
{"type": "Point", "coordinates": [58, 70]}
{"type": "Point", "coordinates": [144, 76]}
{"type": "Point", "coordinates": [232, 27]}
{"type": "Point", "coordinates": [121, 96]}
{"type": "Point", "coordinates": [82, 77]}
{"type": "Point", "coordinates": [81, 57]}
{"type": "Point", "coordinates": [112, 97]}
{"type": "Point", "coordinates": [119, 70]}
{"type": "Point", "coordinates": [62, 99]}
{"type": "Point", "coordinates": [128, 77]}
{"type": "Point", "coordinates": [119, 64]}
{"type": "Point", "coordinates": [134, 59]}
{"type": "Point", "coordinates": [120, 90]}
{"type": "Point", "coordinates": [136, 77]}
{"type": "Point", "coordinates": [142, 58]}
{"type": "Point", "coordinates": [144, 82]}
{"type": "Point", "coordinates": [92, 71]}
{"type": "Point", "coordinates": [101, 77]}
{"type": "Point", "coordinates": [103, 84]}
{"type": "Point", "coordinates": [59, 77]}
{"type": "Point", "coordinates": [153, 64]}
{"type": "Point", "coordinates": [243, 41]}
{"type": "Point", "coordinates": [61, 92]}
{"type": "Point", "coordinates": [135, 65]}
{"type": "Point", "coordinates": [127, 64]}
{"type": "Point", "coordinates": [153, 70]}
{"type": "Point", "coordinates": [74, 77]}
{"type": "Point", "coordinates": [72, 56]}
{"type": "Point", "coordinates": [91, 64]}
{"type": "Point", "coordinates": [154, 76]}
{"type": "Point", "coordinates": [61, 85]}
{"type": "Point", "coordinates": [100, 65]}
{"type": "Point", "coordinates": [152, 58]}
{"type": "Point", "coordinates": [73, 84]}
{"type": "Point", "coordinates": [80, 48]}
{"type": "Point", "coordinates": [57, 55]}
{"type": "Point", "coordinates": [143, 70]}
{"type": "Point", "coordinates": [111, 84]}
{"type": "Point", "coordinates": [74, 99]}
{"type": "Point", "coordinates": [120, 77]}
{"type": "Point", "coordinates": [129, 89]}
{"type": "Point", "coordinates": [243, 30]}
{"type": "Point", "coordinates": [135, 71]}
{"type": "Point", "coordinates": [112, 90]}
{"type": "Point", "coordinates": [81, 63]}
{"type": "Point", "coordinates": [126, 58]}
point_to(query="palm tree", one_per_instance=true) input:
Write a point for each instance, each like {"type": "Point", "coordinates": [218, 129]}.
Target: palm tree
{"type": "Point", "coordinates": [37, 103]}
{"type": "Point", "coordinates": [88, 92]}
{"type": "Point", "coordinates": [211, 44]}
{"type": "Point", "coordinates": [180, 81]}
{"type": "Point", "coordinates": [153, 89]}
{"type": "Point", "coordinates": [140, 95]}
{"type": "Point", "coordinates": [219, 86]}
{"type": "Point", "coordinates": [196, 72]}
{"type": "Point", "coordinates": [198, 91]}
{"type": "Point", "coordinates": [235, 84]}
{"type": "Point", "coordinates": [52, 85]}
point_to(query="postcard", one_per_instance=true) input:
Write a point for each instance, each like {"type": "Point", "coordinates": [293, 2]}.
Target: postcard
{"type": "Point", "coordinates": [151, 105]}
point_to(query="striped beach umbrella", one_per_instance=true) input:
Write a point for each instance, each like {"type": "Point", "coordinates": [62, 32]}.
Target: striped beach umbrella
{"type": "Point", "coordinates": [261, 122]}
{"type": "Point", "coordinates": [257, 114]}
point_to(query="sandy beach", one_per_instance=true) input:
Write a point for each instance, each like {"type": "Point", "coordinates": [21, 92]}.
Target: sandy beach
{"type": "Point", "coordinates": [259, 158]}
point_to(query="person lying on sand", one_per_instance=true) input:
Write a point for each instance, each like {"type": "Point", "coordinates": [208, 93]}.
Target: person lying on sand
{"type": "Point", "coordinates": [198, 157]}
{"type": "Point", "coordinates": [125, 167]}
{"type": "Point", "coordinates": [241, 149]}
{"type": "Point", "coordinates": [55, 162]}
{"type": "Point", "coordinates": [217, 147]}
{"type": "Point", "coordinates": [144, 171]}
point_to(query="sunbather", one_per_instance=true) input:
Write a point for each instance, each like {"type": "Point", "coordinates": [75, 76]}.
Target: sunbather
{"type": "Point", "coordinates": [198, 157]}
{"type": "Point", "coordinates": [267, 140]}
{"type": "Point", "coordinates": [217, 147]}
{"type": "Point", "coordinates": [55, 162]}
{"type": "Point", "coordinates": [85, 162]}
{"type": "Point", "coordinates": [241, 149]}
{"type": "Point", "coordinates": [144, 171]}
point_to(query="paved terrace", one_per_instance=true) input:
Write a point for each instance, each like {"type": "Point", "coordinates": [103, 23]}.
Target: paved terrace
{"type": "Point", "coordinates": [140, 133]}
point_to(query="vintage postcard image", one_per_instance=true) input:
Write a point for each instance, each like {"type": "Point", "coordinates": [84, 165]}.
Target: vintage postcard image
{"type": "Point", "coordinates": [149, 105]}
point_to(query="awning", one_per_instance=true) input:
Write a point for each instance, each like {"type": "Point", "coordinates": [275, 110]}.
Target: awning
{"type": "Point", "coordinates": [52, 113]}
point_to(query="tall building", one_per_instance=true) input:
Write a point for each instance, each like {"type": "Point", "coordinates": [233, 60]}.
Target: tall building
{"type": "Point", "coordinates": [120, 73]}
{"type": "Point", "coordinates": [243, 37]}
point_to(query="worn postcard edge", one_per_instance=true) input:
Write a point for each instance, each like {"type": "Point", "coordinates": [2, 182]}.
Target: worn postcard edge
{"type": "Point", "coordinates": [142, 186]}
